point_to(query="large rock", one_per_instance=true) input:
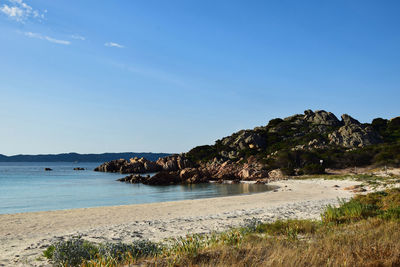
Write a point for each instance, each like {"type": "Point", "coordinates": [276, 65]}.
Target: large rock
{"type": "Point", "coordinates": [134, 165]}
{"type": "Point", "coordinates": [112, 166]}
{"type": "Point", "coordinates": [233, 171]}
{"type": "Point", "coordinates": [164, 178]}
{"type": "Point", "coordinates": [174, 163]}
{"type": "Point", "coordinates": [395, 122]}
{"type": "Point", "coordinates": [142, 165]}
{"type": "Point", "coordinates": [295, 119]}
{"type": "Point", "coordinates": [161, 178]}
{"type": "Point", "coordinates": [134, 179]}
{"type": "Point", "coordinates": [209, 172]}
{"type": "Point", "coordinates": [245, 139]}
{"type": "Point", "coordinates": [321, 117]}
{"type": "Point", "coordinates": [348, 120]}
{"type": "Point", "coordinates": [276, 174]}
{"type": "Point", "coordinates": [194, 176]}
{"type": "Point", "coordinates": [184, 176]}
{"type": "Point", "coordinates": [354, 135]}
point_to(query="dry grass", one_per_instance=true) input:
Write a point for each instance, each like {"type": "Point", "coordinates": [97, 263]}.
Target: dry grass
{"type": "Point", "coordinates": [372, 242]}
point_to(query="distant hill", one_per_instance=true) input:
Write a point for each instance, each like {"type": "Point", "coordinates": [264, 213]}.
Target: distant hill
{"type": "Point", "coordinates": [306, 143]}
{"type": "Point", "coordinates": [301, 144]}
{"type": "Point", "coordinates": [72, 157]}
{"type": "Point", "coordinates": [301, 141]}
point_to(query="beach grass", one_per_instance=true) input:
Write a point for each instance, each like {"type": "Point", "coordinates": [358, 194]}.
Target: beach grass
{"type": "Point", "coordinates": [368, 179]}
{"type": "Point", "coordinates": [360, 232]}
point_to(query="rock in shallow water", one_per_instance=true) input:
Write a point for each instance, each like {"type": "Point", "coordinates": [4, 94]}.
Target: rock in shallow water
{"type": "Point", "coordinates": [134, 165]}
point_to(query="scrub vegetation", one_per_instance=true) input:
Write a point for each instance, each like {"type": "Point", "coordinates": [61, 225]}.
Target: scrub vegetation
{"type": "Point", "coordinates": [297, 146]}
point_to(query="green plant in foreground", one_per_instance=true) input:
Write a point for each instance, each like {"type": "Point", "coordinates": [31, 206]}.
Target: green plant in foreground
{"type": "Point", "coordinates": [48, 253]}
{"type": "Point", "coordinates": [76, 251]}
{"type": "Point", "coordinates": [71, 252]}
{"type": "Point", "coordinates": [189, 245]}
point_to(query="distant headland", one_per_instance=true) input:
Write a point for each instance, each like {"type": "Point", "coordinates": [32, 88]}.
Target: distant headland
{"type": "Point", "coordinates": [303, 144]}
{"type": "Point", "coordinates": [73, 157]}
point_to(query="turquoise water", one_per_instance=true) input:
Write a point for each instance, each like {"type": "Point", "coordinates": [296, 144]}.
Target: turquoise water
{"type": "Point", "coordinates": [26, 187]}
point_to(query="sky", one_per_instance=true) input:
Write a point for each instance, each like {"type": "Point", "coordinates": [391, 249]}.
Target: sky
{"type": "Point", "coordinates": [165, 76]}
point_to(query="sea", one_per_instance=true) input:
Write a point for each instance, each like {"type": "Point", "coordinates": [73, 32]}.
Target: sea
{"type": "Point", "coordinates": [27, 187]}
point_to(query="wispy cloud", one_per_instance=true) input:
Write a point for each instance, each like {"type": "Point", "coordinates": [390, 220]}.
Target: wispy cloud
{"type": "Point", "coordinates": [47, 38]}
{"type": "Point", "coordinates": [77, 37]}
{"type": "Point", "coordinates": [20, 11]}
{"type": "Point", "coordinates": [13, 12]}
{"type": "Point", "coordinates": [112, 44]}
{"type": "Point", "coordinates": [151, 73]}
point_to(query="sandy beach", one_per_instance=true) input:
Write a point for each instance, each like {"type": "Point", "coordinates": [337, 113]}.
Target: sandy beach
{"type": "Point", "coordinates": [24, 236]}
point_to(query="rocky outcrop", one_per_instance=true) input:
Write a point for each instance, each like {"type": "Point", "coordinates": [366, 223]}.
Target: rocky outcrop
{"type": "Point", "coordinates": [348, 132]}
{"type": "Point", "coordinates": [242, 140]}
{"type": "Point", "coordinates": [314, 144]}
{"type": "Point", "coordinates": [230, 155]}
{"type": "Point", "coordinates": [302, 137]}
{"type": "Point", "coordinates": [112, 166]}
{"type": "Point", "coordinates": [161, 178]}
{"type": "Point", "coordinates": [245, 139]}
{"type": "Point", "coordinates": [134, 179]}
{"type": "Point", "coordinates": [134, 165]}
{"type": "Point", "coordinates": [185, 176]}
{"type": "Point", "coordinates": [295, 119]}
{"type": "Point", "coordinates": [174, 163]}
{"type": "Point", "coordinates": [348, 120]}
{"type": "Point", "coordinates": [276, 174]}
{"type": "Point", "coordinates": [395, 120]}
{"type": "Point", "coordinates": [321, 117]}
{"type": "Point", "coordinates": [164, 178]}
{"type": "Point", "coordinates": [354, 135]}
{"type": "Point", "coordinates": [142, 165]}
{"type": "Point", "coordinates": [319, 124]}
{"type": "Point", "coordinates": [232, 171]}
{"type": "Point", "coordinates": [214, 171]}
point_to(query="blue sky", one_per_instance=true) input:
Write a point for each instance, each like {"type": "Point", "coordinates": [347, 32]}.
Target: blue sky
{"type": "Point", "coordinates": [165, 76]}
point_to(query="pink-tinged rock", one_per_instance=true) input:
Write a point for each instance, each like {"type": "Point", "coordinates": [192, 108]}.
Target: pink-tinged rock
{"type": "Point", "coordinates": [276, 174]}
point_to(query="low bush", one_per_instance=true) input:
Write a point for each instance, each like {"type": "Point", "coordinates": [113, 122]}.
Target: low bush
{"type": "Point", "coordinates": [71, 252]}
{"type": "Point", "coordinates": [77, 252]}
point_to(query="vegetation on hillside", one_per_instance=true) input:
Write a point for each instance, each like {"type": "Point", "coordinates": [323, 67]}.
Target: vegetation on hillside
{"type": "Point", "coordinates": [298, 146]}
{"type": "Point", "coordinates": [360, 232]}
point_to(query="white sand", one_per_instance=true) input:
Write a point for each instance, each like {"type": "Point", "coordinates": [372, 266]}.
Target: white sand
{"type": "Point", "coordinates": [24, 236]}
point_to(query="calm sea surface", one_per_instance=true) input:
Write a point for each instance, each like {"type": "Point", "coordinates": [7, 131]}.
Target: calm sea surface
{"type": "Point", "coordinates": [26, 187]}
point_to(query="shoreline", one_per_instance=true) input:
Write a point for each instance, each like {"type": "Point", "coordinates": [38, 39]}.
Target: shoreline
{"type": "Point", "coordinates": [24, 236]}
{"type": "Point", "coordinates": [272, 187]}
